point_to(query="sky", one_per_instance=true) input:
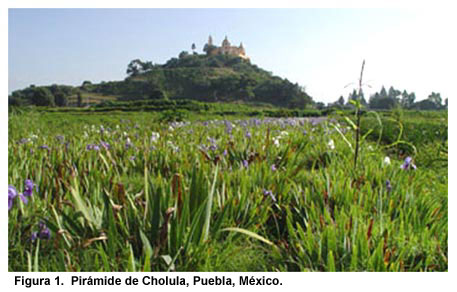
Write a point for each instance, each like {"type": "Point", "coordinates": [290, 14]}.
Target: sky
{"type": "Point", "coordinates": [320, 49]}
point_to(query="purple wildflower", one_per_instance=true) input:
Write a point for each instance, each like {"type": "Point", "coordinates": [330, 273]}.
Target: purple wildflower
{"type": "Point", "coordinates": [245, 163]}
{"type": "Point", "coordinates": [388, 186]}
{"type": "Point", "coordinates": [304, 132]}
{"type": "Point", "coordinates": [408, 164]}
{"type": "Point", "coordinates": [248, 135]}
{"type": "Point", "coordinates": [105, 145]}
{"type": "Point", "coordinates": [12, 193]}
{"type": "Point", "coordinates": [213, 147]}
{"type": "Point", "coordinates": [225, 152]}
{"type": "Point", "coordinates": [45, 147]}
{"type": "Point", "coordinates": [23, 141]}
{"type": "Point", "coordinates": [43, 233]}
{"type": "Point", "coordinates": [228, 127]}
{"type": "Point", "coordinates": [269, 193]}
{"type": "Point", "coordinates": [28, 187]}
{"type": "Point", "coordinates": [273, 168]}
{"type": "Point", "coordinates": [92, 147]}
{"type": "Point", "coordinates": [131, 158]}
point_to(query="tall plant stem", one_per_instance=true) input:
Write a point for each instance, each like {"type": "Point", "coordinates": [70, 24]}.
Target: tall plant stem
{"type": "Point", "coordinates": [357, 113]}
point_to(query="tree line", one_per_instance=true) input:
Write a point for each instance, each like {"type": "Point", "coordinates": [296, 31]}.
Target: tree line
{"type": "Point", "coordinates": [392, 98]}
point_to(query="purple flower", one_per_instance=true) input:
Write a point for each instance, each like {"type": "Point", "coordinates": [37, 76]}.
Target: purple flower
{"type": "Point", "coordinates": [43, 233]}
{"type": "Point", "coordinates": [408, 164]}
{"type": "Point", "coordinates": [304, 132]}
{"type": "Point", "coordinates": [273, 168]}
{"type": "Point", "coordinates": [23, 141]}
{"type": "Point", "coordinates": [12, 193]}
{"type": "Point", "coordinates": [248, 135]}
{"type": "Point", "coordinates": [213, 147]}
{"type": "Point", "coordinates": [228, 127]}
{"type": "Point", "coordinates": [269, 193]}
{"type": "Point", "coordinates": [131, 158]}
{"type": "Point", "coordinates": [225, 152]}
{"type": "Point", "coordinates": [45, 147]}
{"type": "Point", "coordinates": [245, 163]}
{"type": "Point", "coordinates": [388, 186]}
{"type": "Point", "coordinates": [92, 147]}
{"type": "Point", "coordinates": [28, 187]}
{"type": "Point", "coordinates": [105, 145]}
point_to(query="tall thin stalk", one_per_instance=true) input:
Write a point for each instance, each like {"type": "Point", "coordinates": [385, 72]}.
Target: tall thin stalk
{"type": "Point", "coordinates": [357, 113]}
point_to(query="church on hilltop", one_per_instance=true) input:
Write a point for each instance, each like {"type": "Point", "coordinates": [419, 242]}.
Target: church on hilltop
{"type": "Point", "coordinates": [224, 49]}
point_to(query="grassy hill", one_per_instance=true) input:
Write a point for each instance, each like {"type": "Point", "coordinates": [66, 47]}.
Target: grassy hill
{"type": "Point", "coordinates": [198, 77]}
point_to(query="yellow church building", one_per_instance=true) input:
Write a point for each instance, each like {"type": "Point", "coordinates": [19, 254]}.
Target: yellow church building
{"type": "Point", "coordinates": [225, 49]}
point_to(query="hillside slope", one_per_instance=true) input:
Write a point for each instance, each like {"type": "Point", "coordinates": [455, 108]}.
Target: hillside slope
{"type": "Point", "coordinates": [198, 77]}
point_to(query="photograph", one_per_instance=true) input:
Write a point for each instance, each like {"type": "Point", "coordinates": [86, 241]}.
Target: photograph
{"type": "Point", "coordinates": [227, 140]}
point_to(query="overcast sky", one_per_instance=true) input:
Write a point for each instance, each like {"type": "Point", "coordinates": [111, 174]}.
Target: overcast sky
{"type": "Point", "coordinates": [321, 49]}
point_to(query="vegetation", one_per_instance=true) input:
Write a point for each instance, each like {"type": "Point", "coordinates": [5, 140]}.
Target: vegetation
{"type": "Point", "coordinates": [191, 76]}
{"type": "Point", "coordinates": [387, 100]}
{"type": "Point", "coordinates": [142, 192]}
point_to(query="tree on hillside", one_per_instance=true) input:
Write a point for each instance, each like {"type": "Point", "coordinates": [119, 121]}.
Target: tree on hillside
{"type": "Point", "coordinates": [41, 96]}
{"type": "Point", "coordinates": [61, 99]}
{"type": "Point", "coordinates": [193, 48]}
{"type": "Point", "coordinates": [157, 93]}
{"type": "Point", "coordinates": [183, 54]}
{"type": "Point", "coordinates": [79, 99]}
{"type": "Point", "coordinates": [146, 66]}
{"type": "Point", "coordinates": [135, 67]}
{"type": "Point", "coordinates": [60, 94]}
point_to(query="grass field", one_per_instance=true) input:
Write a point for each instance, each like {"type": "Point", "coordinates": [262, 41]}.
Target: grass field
{"type": "Point", "coordinates": [125, 192]}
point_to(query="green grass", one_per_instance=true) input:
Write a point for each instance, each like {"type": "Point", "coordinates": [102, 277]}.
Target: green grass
{"type": "Point", "coordinates": [175, 204]}
{"type": "Point", "coordinates": [91, 98]}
